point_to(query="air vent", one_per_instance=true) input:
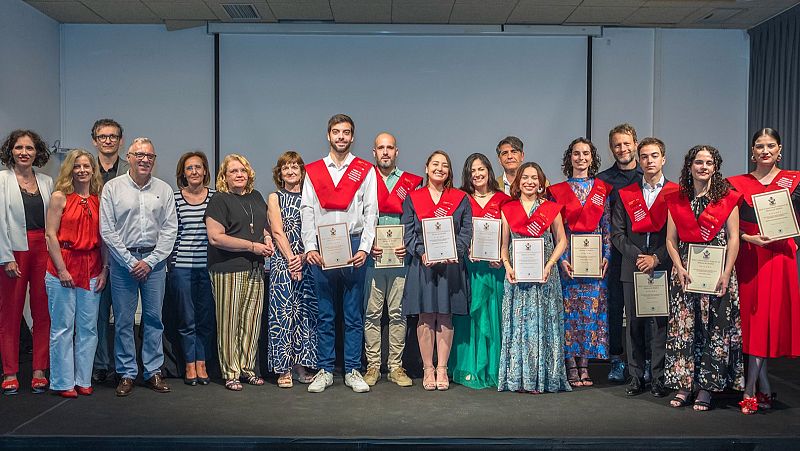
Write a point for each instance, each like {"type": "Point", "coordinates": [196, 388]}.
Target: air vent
{"type": "Point", "coordinates": [241, 11]}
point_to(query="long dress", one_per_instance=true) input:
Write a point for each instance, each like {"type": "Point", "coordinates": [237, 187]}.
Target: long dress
{"type": "Point", "coordinates": [532, 349]}
{"type": "Point", "coordinates": [586, 299]}
{"type": "Point", "coordinates": [704, 339]}
{"type": "Point", "coordinates": [292, 316]}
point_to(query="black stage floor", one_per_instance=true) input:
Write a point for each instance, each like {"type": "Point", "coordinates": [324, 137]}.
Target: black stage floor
{"type": "Point", "coordinates": [392, 417]}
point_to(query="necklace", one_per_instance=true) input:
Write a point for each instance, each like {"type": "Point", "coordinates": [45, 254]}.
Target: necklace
{"type": "Point", "coordinates": [252, 229]}
{"type": "Point", "coordinates": [480, 195]}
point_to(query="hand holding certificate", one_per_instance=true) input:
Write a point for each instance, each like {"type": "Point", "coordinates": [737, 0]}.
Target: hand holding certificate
{"type": "Point", "coordinates": [528, 260]}
{"type": "Point", "coordinates": [775, 215]}
{"type": "Point", "coordinates": [388, 238]}
{"type": "Point", "coordinates": [439, 239]}
{"type": "Point", "coordinates": [334, 245]}
{"type": "Point", "coordinates": [705, 266]}
{"type": "Point", "coordinates": [586, 255]}
{"type": "Point", "coordinates": [485, 239]}
{"type": "Point", "coordinates": [651, 293]}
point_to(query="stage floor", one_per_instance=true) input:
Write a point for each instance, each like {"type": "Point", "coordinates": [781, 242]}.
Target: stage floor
{"type": "Point", "coordinates": [210, 416]}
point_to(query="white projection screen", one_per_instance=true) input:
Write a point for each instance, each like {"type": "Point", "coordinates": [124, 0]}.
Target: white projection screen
{"type": "Point", "coordinates": [458, 93]}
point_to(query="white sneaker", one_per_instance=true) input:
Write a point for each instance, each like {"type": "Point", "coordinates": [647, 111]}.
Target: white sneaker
{"type": "Point", "coordinates": [354, 380]}
{"type": "Point", "coordinates": [321, 381]}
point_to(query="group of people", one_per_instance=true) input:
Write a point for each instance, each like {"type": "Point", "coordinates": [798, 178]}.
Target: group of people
{"type": "Point", "coordinates": [107, 233]}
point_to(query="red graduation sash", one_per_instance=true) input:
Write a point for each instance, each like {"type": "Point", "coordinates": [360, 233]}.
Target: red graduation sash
{"type": "Point", "coordinates": [425, 208]}
{"type": "Point", "coordinates": [706, 226]}
{"type": "Point", "coordinates": [582, 218]}
{"type": "Point", "coordinates": [643, 219]}
{"type": "Point", "coordinates": [492, 208]}
{"type": "Point", "coordinates": [537, 223]}
{"type": "Point", "coordinates": [748, 185]}
{"type": "Point", "coordinates": [337, 197]}
{"type": "Point", "coordinates": [392, 202]}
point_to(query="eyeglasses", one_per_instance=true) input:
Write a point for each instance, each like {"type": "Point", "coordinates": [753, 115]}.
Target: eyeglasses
{"type": "Point", "coordinates": [112, 138]}
{"type": "Point", "coordinates": [194, 167]}
{"type": "Point", "coordinates": [143, 155]}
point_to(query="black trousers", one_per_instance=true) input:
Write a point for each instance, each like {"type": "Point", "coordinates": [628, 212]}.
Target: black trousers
{"type": "Point", "coordinates": [616, 303]}
{"type": "Point", "coordinates": [637, 338]}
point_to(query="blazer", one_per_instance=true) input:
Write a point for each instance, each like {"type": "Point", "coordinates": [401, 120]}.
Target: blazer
{"type": "Point", "coordinates": [13, 236]}
{"type": "Point", "coordinates": [631, 244]}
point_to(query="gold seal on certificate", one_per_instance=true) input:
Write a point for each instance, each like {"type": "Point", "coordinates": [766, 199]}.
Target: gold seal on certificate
{"type": "Point", "coordinates": [651, 293]}
{"type": "Point", "coordinates": [586, 255]}
{"type": "Point", "coordinates": [439, 239]}
{"type": "Point", "coordinates": [776, 219]}
{"type": "Point", "coordinates": [334, 245]}
{"type": "Point", "coordinates": [705, 268]}
{"type": "Point", "coordinates": [485, 239]}
{"type": "Point", "coordinates": [528, 259]}
{"type": "Point", "coordinates": [389, 238]}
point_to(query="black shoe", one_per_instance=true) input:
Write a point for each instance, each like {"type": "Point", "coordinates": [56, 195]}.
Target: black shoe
{"type": "Point", "coordinates": [100, 375]}
{"type": "Point", "coordinates": [203, 380]}
{"type": "Point", "coordinates": [658, 389]}
{"type": "Point", "coordinates": [635, 387]}
{"type": "Point", "coordinates": [190, 381]}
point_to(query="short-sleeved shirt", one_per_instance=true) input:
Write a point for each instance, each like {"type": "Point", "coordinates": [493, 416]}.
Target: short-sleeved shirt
{"type": "Point", "coordinates": [235, 213]}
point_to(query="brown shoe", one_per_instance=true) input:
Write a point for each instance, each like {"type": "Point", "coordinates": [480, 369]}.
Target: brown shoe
{"type": "Point", "coordinates": [125, 386]}
{"type": "Point", "coordinates": [399, 377]}
{"type": "Point", "coordinates": [372, 375]}
{"type": "Point", "coordinates": [157, 384]}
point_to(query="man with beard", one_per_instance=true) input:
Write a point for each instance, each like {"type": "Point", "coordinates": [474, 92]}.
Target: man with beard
{"type": "Point", "coordinates": [622, 142]}
{"type": "Point", "coordinates": [340, 188]}
{"type": "Point", "coordinates": [511, 155]}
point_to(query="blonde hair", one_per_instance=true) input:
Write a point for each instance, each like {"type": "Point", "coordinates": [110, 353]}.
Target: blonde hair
{"type": "Point", "coordinates": [64, 180]}
{"type": "Point", "coordinates": [222, 184]}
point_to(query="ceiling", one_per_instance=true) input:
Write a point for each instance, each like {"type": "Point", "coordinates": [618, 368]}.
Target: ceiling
{"type": "Point", "coordinates": [631, 13]}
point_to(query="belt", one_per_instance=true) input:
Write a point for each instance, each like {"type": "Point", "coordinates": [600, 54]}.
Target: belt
{"type": "Point", "coordinates": [141, 250]}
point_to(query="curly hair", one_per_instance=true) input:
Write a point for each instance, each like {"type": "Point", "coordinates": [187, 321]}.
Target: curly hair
{"type": "Point", "coordinates": [719, 186]}
{"type": "Point", "coordinates": [42, 153]}
{"type": "Point", "coordinates": [288, 157]}
{"type": "Point", "coordinates": [65, 181]}
{"type": "Point", "coordinates": [466, 174]}
{"type": "Point", "coordinates": [566, 164]}
{"type": "Point", "coordinates": [222, 184]}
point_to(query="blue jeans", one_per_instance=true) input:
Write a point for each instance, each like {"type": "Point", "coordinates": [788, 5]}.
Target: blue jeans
{"type": "Point", "coordinates": [125, 298]}
{"type": "Point", "coordinates": [328, 285]}
{"type": "Point", "coordinates": [73, 333]}
{"type": "Point", "coordinates": [102, 359]}
{"type": "Point", "coordinates": [191, 290]}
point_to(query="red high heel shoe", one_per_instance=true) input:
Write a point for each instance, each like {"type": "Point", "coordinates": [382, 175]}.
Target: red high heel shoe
{"type": "Point", "coordinates": [749, 406]}
{"type": "Point", "coordinates": [765, 401]}
{"type": "Point", "coordinates": [10, 387]}
{"type": "Point", "coordinates": [39, 385]}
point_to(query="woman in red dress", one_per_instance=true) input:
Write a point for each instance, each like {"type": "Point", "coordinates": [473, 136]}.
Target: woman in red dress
{"type": "Point", "coordinates": [767, 268]}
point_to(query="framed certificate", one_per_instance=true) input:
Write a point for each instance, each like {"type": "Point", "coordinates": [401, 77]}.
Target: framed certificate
{"type": "Point", "coordinates": [705, 267]}
{"type": "Point", "coordinates": [485, 239]}
{"type": "Point", "coordinates": [389, 238]}
{"type": "Point", "coordinates": [586, 255]}
{"type": "Point", "coordinates": [334, 245]}
{"type": "Point", "coordinates": [439, 238]}
{"type": "Point", "coordinates": [528, 259]}
{"type": "Point", "coordinates": [651, 293]}
{"type": "Point", "coordinates": [776, 218]}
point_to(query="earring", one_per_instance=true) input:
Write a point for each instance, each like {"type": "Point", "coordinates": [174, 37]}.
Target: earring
{"type": "Point", "coordinates": [753, 158]}
{"type": "Point", "coordinates": [540, 190]}
{"type": "Point", "coordinates": [779, 157]}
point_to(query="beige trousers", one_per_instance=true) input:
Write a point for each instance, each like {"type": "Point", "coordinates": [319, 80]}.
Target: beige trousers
{"type": "Point", "coordinates": [385, 286]}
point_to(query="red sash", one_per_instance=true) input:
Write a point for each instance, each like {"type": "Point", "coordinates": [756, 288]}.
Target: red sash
{"type": "Point", "coordinates": [337, 197]}
{"type": "Point", "coordinates": [748, 185]}
{"type": "Point", "coordinates": [393, 202]}
{"type": "Point", "coordinates": [537, 223]}
{"type": "Point", "coordinates": [643, 219]}
{"type": "Point", "coordinates": [492, 208]}
{"type": "Point", "coordinates": [425, 208]}
{"type": "Point", "coordinates": [706, 226]}
{"type": "Point", "coordinates": [582, 218]}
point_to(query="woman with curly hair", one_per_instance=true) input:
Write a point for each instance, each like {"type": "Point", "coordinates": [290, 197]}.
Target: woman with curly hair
{"type": "Point", "coordinates": [704, 340]}
{"type": "Point", "coordinates": [24, 196]}
{"type": "Point", "coordinates": [586, 211]}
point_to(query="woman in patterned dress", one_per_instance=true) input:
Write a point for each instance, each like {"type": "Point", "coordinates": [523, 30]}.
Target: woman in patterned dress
{"type": "Point", "coordinates": [292, 322]}
{"type": "Point", "coordinates": [586, 210]}
{"type": "Point", "coordinates": [704, 339]}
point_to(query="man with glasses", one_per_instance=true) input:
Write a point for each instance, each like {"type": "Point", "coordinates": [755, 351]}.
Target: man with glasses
{"type": "Point", "coordinates": [139, 225]}
{"type": "Point", "coordinates": [107, 139]}
{"type": "Point", "coordinates": [511, 155]}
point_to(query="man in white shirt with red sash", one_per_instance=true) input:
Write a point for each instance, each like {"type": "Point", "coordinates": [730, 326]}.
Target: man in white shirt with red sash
{"type": "Point", "coordinates": [639, 229]}
{"type": "Point", "coordinates": [385, 285]}
{"type": "Point", "coordinates": [339, 188]}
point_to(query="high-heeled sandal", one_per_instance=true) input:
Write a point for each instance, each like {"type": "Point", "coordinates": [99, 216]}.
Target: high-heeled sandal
{"type": "Point", "coordinates": [10, 387]}
{"type": "Point", "coordinates": [586, 381]}
{"type": "Point", "coordinates": [704, 406]}
{"type": "Point", "coordinates": [39, 385]}
{"type": "Point", "coordinates": [429, 378]}
{"type": "Point", "coordinates": [678, 402]}
{"type": "Point", "coordinates": [573, 378]}
{"type": "Point", "coordinates": [442, 381]}
{"type": "Point", "coordinates": [765, 401]}
{"type": "Point", "coordinates": [285, 380]}
{"type": "Point", "coordinates": [749, 405]}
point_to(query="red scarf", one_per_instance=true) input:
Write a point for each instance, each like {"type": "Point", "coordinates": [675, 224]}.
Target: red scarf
{"type": "Point", "coordinates": [748, 185]}
{"type": "Point", "coordinates": [537, 223]}
{"type": "Point", "coordinates": [337, 197]}
{"type": "Point", "coordinates": [706, 226]}
{"type": "Point", "coordinates": [582, 218]}
{"type": "Point", "coordinates": [492, 208]}
{"type": "Point", "coordinates": [425, 208]}
{"type": "Point", "coordinates": [392, 202]}
{"type": "Point", "coordinates": [643, 219]}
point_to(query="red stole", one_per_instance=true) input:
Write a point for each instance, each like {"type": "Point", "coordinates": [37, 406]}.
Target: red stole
{"type": "Point", "coordinates": [537, 223]}
{"type": "Point", "coordinates": [425, 208]}
{"type": "Point", "coordinates": [582, 218]}
{"type": "Point", "coordinates": [706, 226]}
{"type": "Point", "coordinates": [643, 219]}
{"type": "Point", "coordinates": [748, 185]}
{"type": "Point", "coordinates": [392, 202]}
{"type": "Point", "coordinates": [492, 208]}
{"type": "Point", "coordinates": [337, 197]}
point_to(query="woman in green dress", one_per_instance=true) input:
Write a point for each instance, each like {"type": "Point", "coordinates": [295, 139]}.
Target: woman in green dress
{"type": "Point", "coordinates": [474, 361]}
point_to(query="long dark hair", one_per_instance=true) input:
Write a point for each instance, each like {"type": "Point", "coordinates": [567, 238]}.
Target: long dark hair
{"type": "Point", "coordinates": [771, 132]}
{"type": "Point", "coordinates": [515, 191]}
{"type": "Point", "coordinates": [566, 165]}
{"type": "Point", "coordinates": [448, 183]}
{"type": "Point", "coordinates": [42, 153]}
{"type": "Point", "coordinates": [719, 186]}
{"type": "Point", "coordinates": [466, 174]}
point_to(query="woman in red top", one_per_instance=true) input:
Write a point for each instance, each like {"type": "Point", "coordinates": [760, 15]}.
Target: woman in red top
{"type": "Point", "coordinates": [767, 268]}
{"type": "Point", "coordinates": [76, 273]}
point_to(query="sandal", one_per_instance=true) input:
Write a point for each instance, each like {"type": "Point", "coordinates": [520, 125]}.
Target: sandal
{"type": "Point", "coordinates": [255, 380]}
{"type": "Point", "coordinates": [429, 379]}
{"type": "Point", "coordinates": [678, 401]}
{"type": "Point", "coordinates": [442, 381]}
{"type": "Point", "coordinates": [765, 401]}
{"type": "Point", "coordinates": [749, 405]}
{"type": "Point", "coordinates": [39, 385]}
{"type": "Point", "coordinates": [701, 405]}
{"type": "Point", "coordinates": [586, 381]}
{"type": "Point", "coordinates": [285, 380]}
{"type": "Point", "coordinates": [10, 387]}
{"type": "Point", "coordinates": [572, 377]}
{"type": "Point", "coordinates": [233, 385]}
